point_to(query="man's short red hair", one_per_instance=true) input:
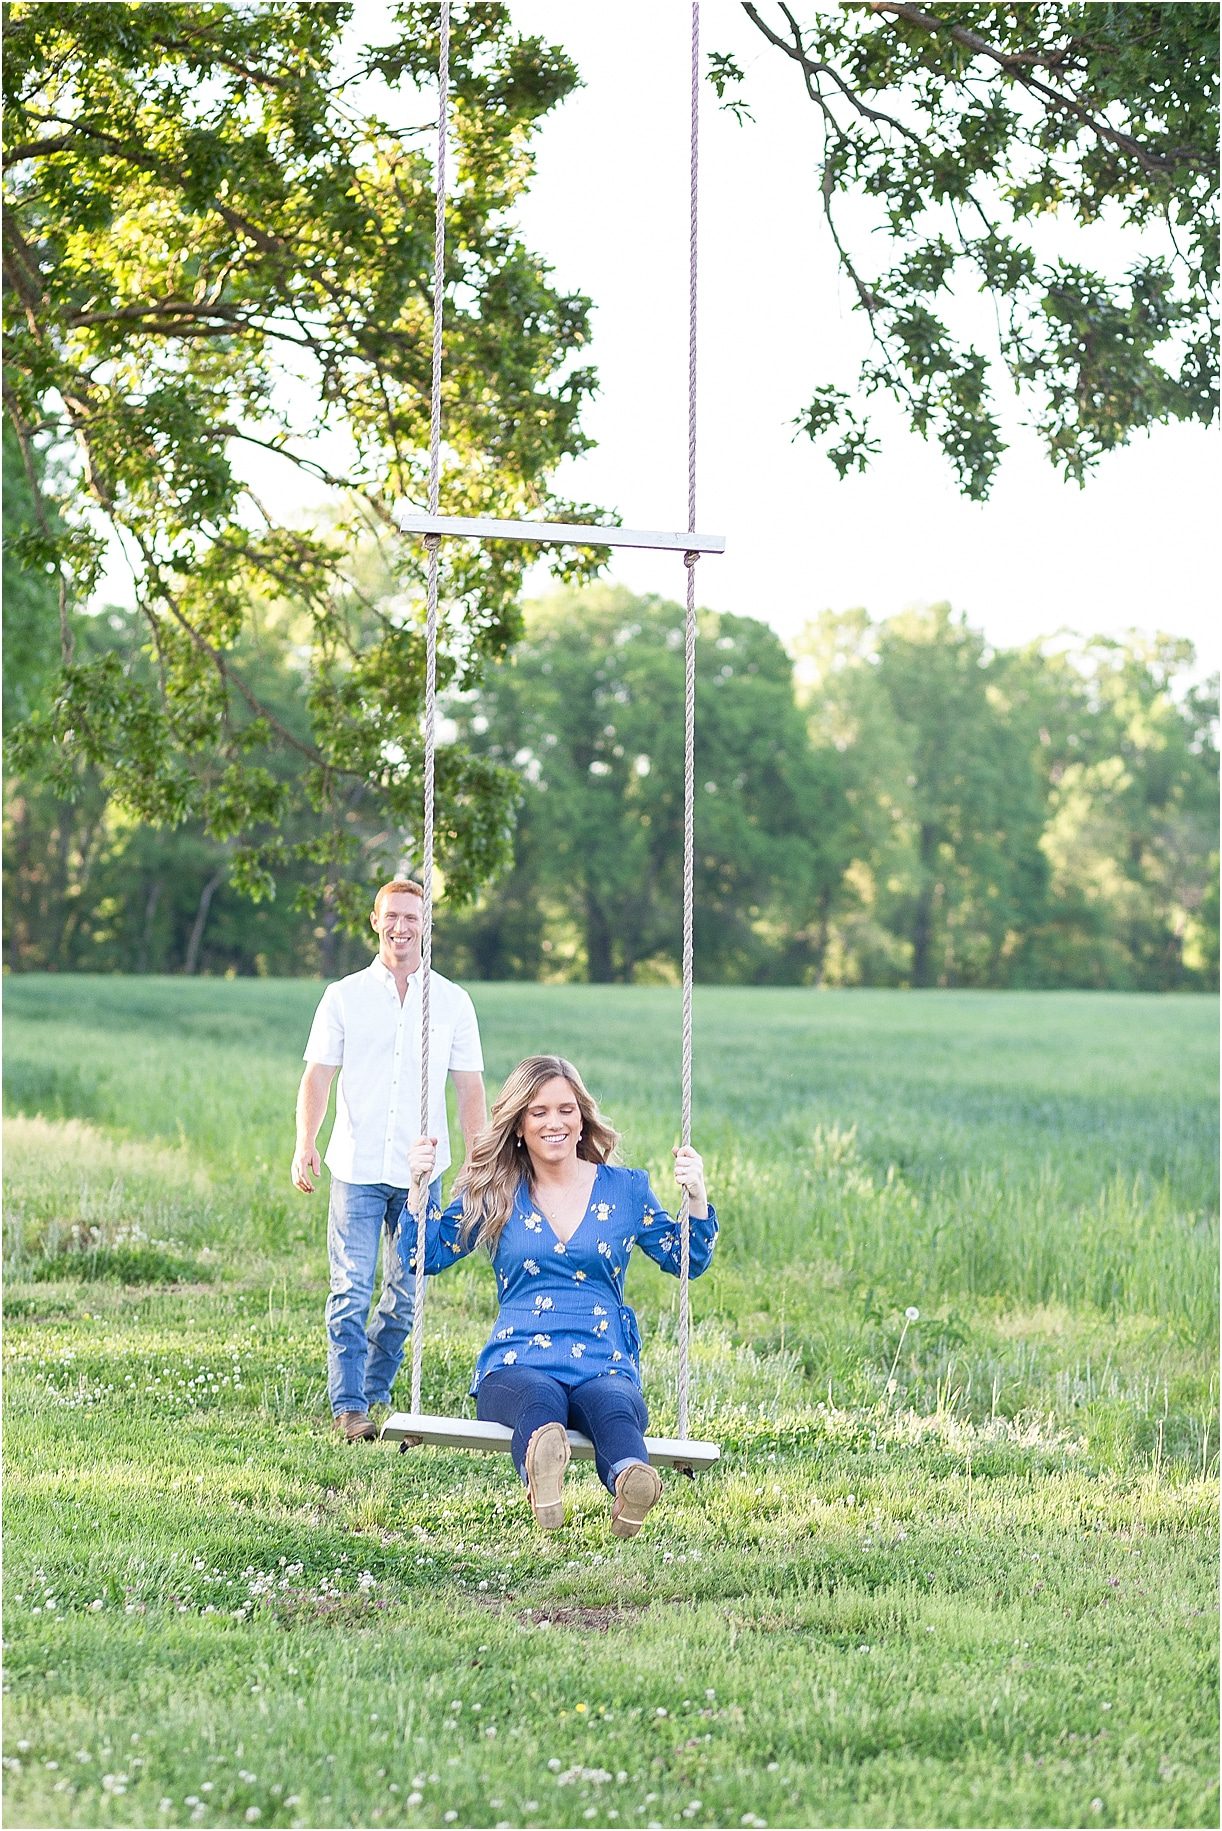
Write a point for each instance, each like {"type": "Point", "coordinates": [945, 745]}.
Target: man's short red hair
{"type": "Point", "coordinates": [398, 886]}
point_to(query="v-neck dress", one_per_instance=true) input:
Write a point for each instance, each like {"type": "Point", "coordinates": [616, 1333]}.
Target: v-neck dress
{"type": "Point", "coordinates": [562, 1309]}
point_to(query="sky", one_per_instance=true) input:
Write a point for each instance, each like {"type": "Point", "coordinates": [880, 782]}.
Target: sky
{"type": "Point", "coordinates": [608, 210]}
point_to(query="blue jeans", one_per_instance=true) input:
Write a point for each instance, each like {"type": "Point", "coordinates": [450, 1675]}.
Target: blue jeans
{"type": "Point", "coordinates": [609, 1409]}
{"type": "Point", "coordinates": [363, 1355]}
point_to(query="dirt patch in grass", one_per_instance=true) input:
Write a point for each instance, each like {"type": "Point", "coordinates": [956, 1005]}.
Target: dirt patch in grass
{"type": "Point", "coordinates": [568, 1615]}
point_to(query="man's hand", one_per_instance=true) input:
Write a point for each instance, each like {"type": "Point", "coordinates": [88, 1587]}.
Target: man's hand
{"type": "Point", "coordinates": [312, 1097]}
{"type": "Point", "coordinates": [306, 1166]}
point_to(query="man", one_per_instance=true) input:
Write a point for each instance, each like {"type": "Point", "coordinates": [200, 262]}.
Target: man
{"type": "Point", "coordinates": [368, 1026]}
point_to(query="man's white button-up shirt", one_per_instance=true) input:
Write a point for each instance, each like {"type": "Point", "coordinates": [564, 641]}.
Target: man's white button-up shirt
{"type": "Point", "coordinates": [361, 1028]}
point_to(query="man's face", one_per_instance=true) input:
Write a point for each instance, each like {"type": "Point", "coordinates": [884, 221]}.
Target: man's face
{"type": "Point", "coordinates": [397, 923]}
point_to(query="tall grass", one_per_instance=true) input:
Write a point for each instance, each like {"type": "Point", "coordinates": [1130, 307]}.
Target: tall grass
{"type": "Point", "coordinates": [978, 1145]}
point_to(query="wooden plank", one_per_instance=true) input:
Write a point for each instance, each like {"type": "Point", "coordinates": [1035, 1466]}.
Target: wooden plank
{"type": "Point", "coordinates": [566, 533]}
{"type": "Point", "coordinates": [474, 1434]}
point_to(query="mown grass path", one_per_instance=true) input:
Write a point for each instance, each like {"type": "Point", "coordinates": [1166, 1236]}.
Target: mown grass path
{"type": "Point", "coordinates": [952, 1571]}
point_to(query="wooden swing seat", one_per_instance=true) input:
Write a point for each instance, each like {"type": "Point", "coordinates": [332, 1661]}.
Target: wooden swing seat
{"type": "Point", "coordinates": [559, 533]}
{"type": "Point", "coordinates": [412, 1429]}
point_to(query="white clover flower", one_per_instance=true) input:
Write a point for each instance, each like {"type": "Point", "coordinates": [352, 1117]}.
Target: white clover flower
{"type": "Point", "coordinates": [912, 1313]}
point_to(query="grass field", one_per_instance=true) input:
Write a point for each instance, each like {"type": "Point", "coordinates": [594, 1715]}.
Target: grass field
{"type": "Point", "coordinates": [951, 1571]}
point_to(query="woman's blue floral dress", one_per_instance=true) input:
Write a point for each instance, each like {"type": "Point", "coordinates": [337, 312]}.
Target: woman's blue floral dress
{"type": "Point", "coordinates": [562, 1309]}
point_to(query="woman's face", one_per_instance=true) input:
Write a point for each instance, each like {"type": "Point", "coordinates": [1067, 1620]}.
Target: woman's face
{"type": "Point", "coordinates": [551, 1124]}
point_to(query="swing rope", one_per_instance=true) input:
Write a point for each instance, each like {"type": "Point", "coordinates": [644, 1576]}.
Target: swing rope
{"type": "Point", "coordinates": [689, 729]}
{"type": "Point", "coordinates": [433, 544]}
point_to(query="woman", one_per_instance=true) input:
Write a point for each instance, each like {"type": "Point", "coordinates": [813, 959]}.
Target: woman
{"type": "Point", "coordinates": [560, 1223]}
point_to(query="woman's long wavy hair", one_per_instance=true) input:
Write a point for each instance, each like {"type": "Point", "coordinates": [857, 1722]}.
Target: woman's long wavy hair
{"type": "Point", "coordinates": [497, 1162]}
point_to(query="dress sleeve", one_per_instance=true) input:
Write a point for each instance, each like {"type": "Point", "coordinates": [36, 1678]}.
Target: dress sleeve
{"type": "Point", "coordinates": [444, 1241]}
{"type": "Point", "coordinates": [658, 1235]}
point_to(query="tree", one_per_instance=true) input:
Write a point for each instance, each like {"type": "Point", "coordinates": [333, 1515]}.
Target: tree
{"type": "Point", "coordinates": [1043, 816]}
{"type": "Point", "coordinates": [590, 710]}
{"type": "Point", "coordinates": [849, 717]}
{"type": "Point", "coordinates": [88, 886]}
{"type": "Point", "coordinates": [1132, 826]}
{"type": "Point", "coordinates": [968, 802]}
{"type": "Point", "coordinates": [973, 132]}
{"type": "Point", "coordinates": [216, 246]}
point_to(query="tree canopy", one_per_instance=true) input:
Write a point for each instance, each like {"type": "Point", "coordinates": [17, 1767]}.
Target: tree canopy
{"type": "Point", "coordinates": [218, 241]}
{"type": "Point", "coordinates": [986, 143]}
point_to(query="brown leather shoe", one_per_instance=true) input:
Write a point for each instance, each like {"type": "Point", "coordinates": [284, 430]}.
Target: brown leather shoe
{"type": "Point", "coordinates": [637, 1489]}
{"type": "Point", "coordinates": [356, 1426]}
{"type": "Point", "coordinates": [547, 1457]}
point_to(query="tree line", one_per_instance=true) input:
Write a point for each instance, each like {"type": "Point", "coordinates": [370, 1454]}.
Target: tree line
{"type": "Point", "coordinates": [895, 803]}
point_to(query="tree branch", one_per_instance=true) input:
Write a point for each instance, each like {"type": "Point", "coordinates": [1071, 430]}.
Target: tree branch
{"type": "Point", "coordinates": [811, 67]}
{"type": "Point", "coordinates": [1016, 66]}
{"type": "Point", "coordinates": [216, 656]}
